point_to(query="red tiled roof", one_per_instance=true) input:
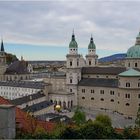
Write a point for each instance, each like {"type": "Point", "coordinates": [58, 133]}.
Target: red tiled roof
{"type": "Point", "coordinates": [26, 122]}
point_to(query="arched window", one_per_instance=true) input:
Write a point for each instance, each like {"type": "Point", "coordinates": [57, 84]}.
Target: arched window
{"type": "Point", "coordinates": [70, 63]}
{"type": "Point", "coordinates": [70, 80]}
{"type": "Point", "coordinates": [136, 65]}
{"type": "Point", "coordinates": [89, 62]}
{"type": "Point", "coordinates": [102, 99]}
{"type": "Point", "coordinates": [83, 98]}
{"type": "Point", "coordinates": [127, 104]}
{"type": "Point", "coordinates": [112, 100]}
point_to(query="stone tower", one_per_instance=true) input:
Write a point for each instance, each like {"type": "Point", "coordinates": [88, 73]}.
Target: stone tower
{"type": "Point", "coordinates": [2, 59]}
{"type": "Point", "coordinates": [91, 57]}
{"type": "Point", "coordinates": [74, 63]}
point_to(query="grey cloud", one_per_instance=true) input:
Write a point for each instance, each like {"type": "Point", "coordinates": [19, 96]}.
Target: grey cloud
{"type": "Point", "coordinates": [52, 22]}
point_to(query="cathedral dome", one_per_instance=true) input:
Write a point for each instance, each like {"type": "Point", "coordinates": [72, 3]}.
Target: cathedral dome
{"type": "Point", "coordinates": [134, 51]}
{"type": "Point", "coordinates": [73, 43]}
{"type": "Point", "coordinates": [91, 44]}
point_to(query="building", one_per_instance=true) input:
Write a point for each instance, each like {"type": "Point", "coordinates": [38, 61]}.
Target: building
{"type": "Point", "coordinates": [89, 85]}
{"type": "Point", "coordinates": [16, 89]}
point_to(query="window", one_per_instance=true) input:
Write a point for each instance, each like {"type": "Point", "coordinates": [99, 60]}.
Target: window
{"type": "Point", "coordinates": [70, 90]}
{"type": "Point", "coordinates": [127, 84]}
{"type": "Point", "coordinates": [102, 99]}
{"type": "Point", "coordinates": [92, 91]}
{"type": "Point", "coordinates": [112, 100]}
{"type": "Point", "coordinates": [77, 63]}
{"type": "Point", "coordinates": [70, 63]}
{"type": "Point", "coordinates": [118, 94]}
{"type": "Point", "coordinates": [139, 96]}
{"type": "Point", "coordinates": [138, 84]}
{"type": "Point", "coordinates": [136, 65]}
{"type": "Point", "coordinates": [111, 92]}
{"type": "Point", "coordinates": [89, 62]}
{"type": "Point", "coordinates": [101, 91]}
{"type": "Point", "coordinates": [128, 64]}
{"type": "Point", "coordinates": [83, 98]}
{"type": "Point", "coordinates": [127, 95]}
{"type": "Point", "coordinates": [83, 90]}
{"type": "Point", "coordinates": [139, 104]}
{"type": "Point", "coordinates": [70, 80]}
{"type": "Point", "coordinates": [127, 104]}
{"type": "Point", "coordinates": [92, 98]}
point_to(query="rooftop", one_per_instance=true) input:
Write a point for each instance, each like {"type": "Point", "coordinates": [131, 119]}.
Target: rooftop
{"type": "Point", "coordinates": [25, 99]}
{"type": "Point", "coordinates": [23, 84]}
{"type": "Point", "coordinates": [24, 120]}
{"type": "Point", "coordinates": [17, 67]}
{"type": "Point", "coordinates": [99, 82]}
{"type": "Point", "coordinates": [130, 73]}
{"type": "Point", "coordinates": [37, 107]}
{"type": "Point", "coordinates": [103, 70]}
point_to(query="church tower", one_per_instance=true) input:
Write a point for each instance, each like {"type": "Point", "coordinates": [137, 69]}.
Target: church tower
{"type": "Point", "coordinates": [91, 57]}
{"type": "Point", "coordinates": [132, 59]}
{"type": "Point", "coordinates": [2, 59]}
{"type": "Point", "coordinates": [74, 63]}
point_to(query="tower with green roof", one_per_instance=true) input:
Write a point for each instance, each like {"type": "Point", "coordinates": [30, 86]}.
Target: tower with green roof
{"type": "Point", "coordinates": [91, 57]}
{"type": "Point", "coordinates": [132, 59]}
{"type": "Point", "coordinates": [74, 63]}
{"type": "Point", "coordinates": [73, 46]}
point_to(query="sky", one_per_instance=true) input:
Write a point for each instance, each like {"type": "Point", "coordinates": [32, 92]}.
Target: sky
{"type": "Point", "coordinates": [41, 30]}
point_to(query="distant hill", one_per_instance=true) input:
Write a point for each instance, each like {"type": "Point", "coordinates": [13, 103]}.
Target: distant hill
{"type": "Point", "coordinates": [112, 58]}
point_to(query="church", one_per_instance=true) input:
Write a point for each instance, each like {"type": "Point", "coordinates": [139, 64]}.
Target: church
{"type": "Point", "coordinates": [88, 85]}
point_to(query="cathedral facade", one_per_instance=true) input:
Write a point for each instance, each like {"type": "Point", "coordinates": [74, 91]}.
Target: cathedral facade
{"type": "Point", "coordinates": [91, 86]}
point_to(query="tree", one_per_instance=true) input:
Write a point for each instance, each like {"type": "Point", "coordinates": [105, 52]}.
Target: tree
{"type": "Point", "coordinates": [79, 117]}
{"type": "Point", "coordinates": [104, 119]}
{"type": "Point", "coordinates": [137, 121]}
{"type": "Point", "coordinates": [129, 133]}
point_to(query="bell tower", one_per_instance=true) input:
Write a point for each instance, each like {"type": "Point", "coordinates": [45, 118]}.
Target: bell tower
{"type": "Point", "coordinates": [91, 57]}
{"type": "Point", "coordinates": [73, 63]}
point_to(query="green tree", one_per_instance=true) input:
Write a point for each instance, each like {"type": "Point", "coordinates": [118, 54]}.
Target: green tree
{"type": "Point", "coordinates": [137, 121]}
{"type": "Point", "coordinates": [129, 133]}
{"type": "Point", "coordinates": [70, 133]}
{"type": "Point", "coordinates": [79, 117]}
{"type": "Point", "coordinates": [104, 119]}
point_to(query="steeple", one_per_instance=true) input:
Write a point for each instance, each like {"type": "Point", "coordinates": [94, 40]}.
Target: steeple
{"type": "Point", "coordinates": [2, 46]}
{"type": "Point", "coordinates": [73, 43]}
{"type": "Point", "coordinates": [91, 44]}
{"type": "Point", "coordinates": [73, 36]}
{"type": "Point", "coordinates": [138, 39]}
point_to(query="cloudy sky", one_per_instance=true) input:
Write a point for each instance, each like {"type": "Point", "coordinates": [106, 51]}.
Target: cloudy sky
{"type": "Point", "coordinates": [42, 30]}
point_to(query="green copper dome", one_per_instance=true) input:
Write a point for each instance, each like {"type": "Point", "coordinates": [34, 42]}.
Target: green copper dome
{"type": "Point", "coordinates": [91, 44]}
{"type": "Point", "coordinates": [73, 43]}
{"type": "Point", "coordinates": [134, 51]}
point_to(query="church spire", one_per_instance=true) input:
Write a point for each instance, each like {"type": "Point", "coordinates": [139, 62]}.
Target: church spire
{"type": "Point", "coordinates": [2, 46]}
{"type": "Point", "coordinates": [73, 36]}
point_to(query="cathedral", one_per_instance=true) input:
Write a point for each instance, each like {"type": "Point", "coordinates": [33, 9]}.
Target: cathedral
{"type": "Point", "coordinates": [88, 85]}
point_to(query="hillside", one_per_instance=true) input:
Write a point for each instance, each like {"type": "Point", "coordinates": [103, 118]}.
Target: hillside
{"type": "Point", "coordinates": [112, 58]}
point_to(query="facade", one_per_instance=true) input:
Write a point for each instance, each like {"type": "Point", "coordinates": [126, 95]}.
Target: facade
{"type": "Point", "coordinates": [101, 87]}
{"type": "Point", "coordinates": [15, 89]}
